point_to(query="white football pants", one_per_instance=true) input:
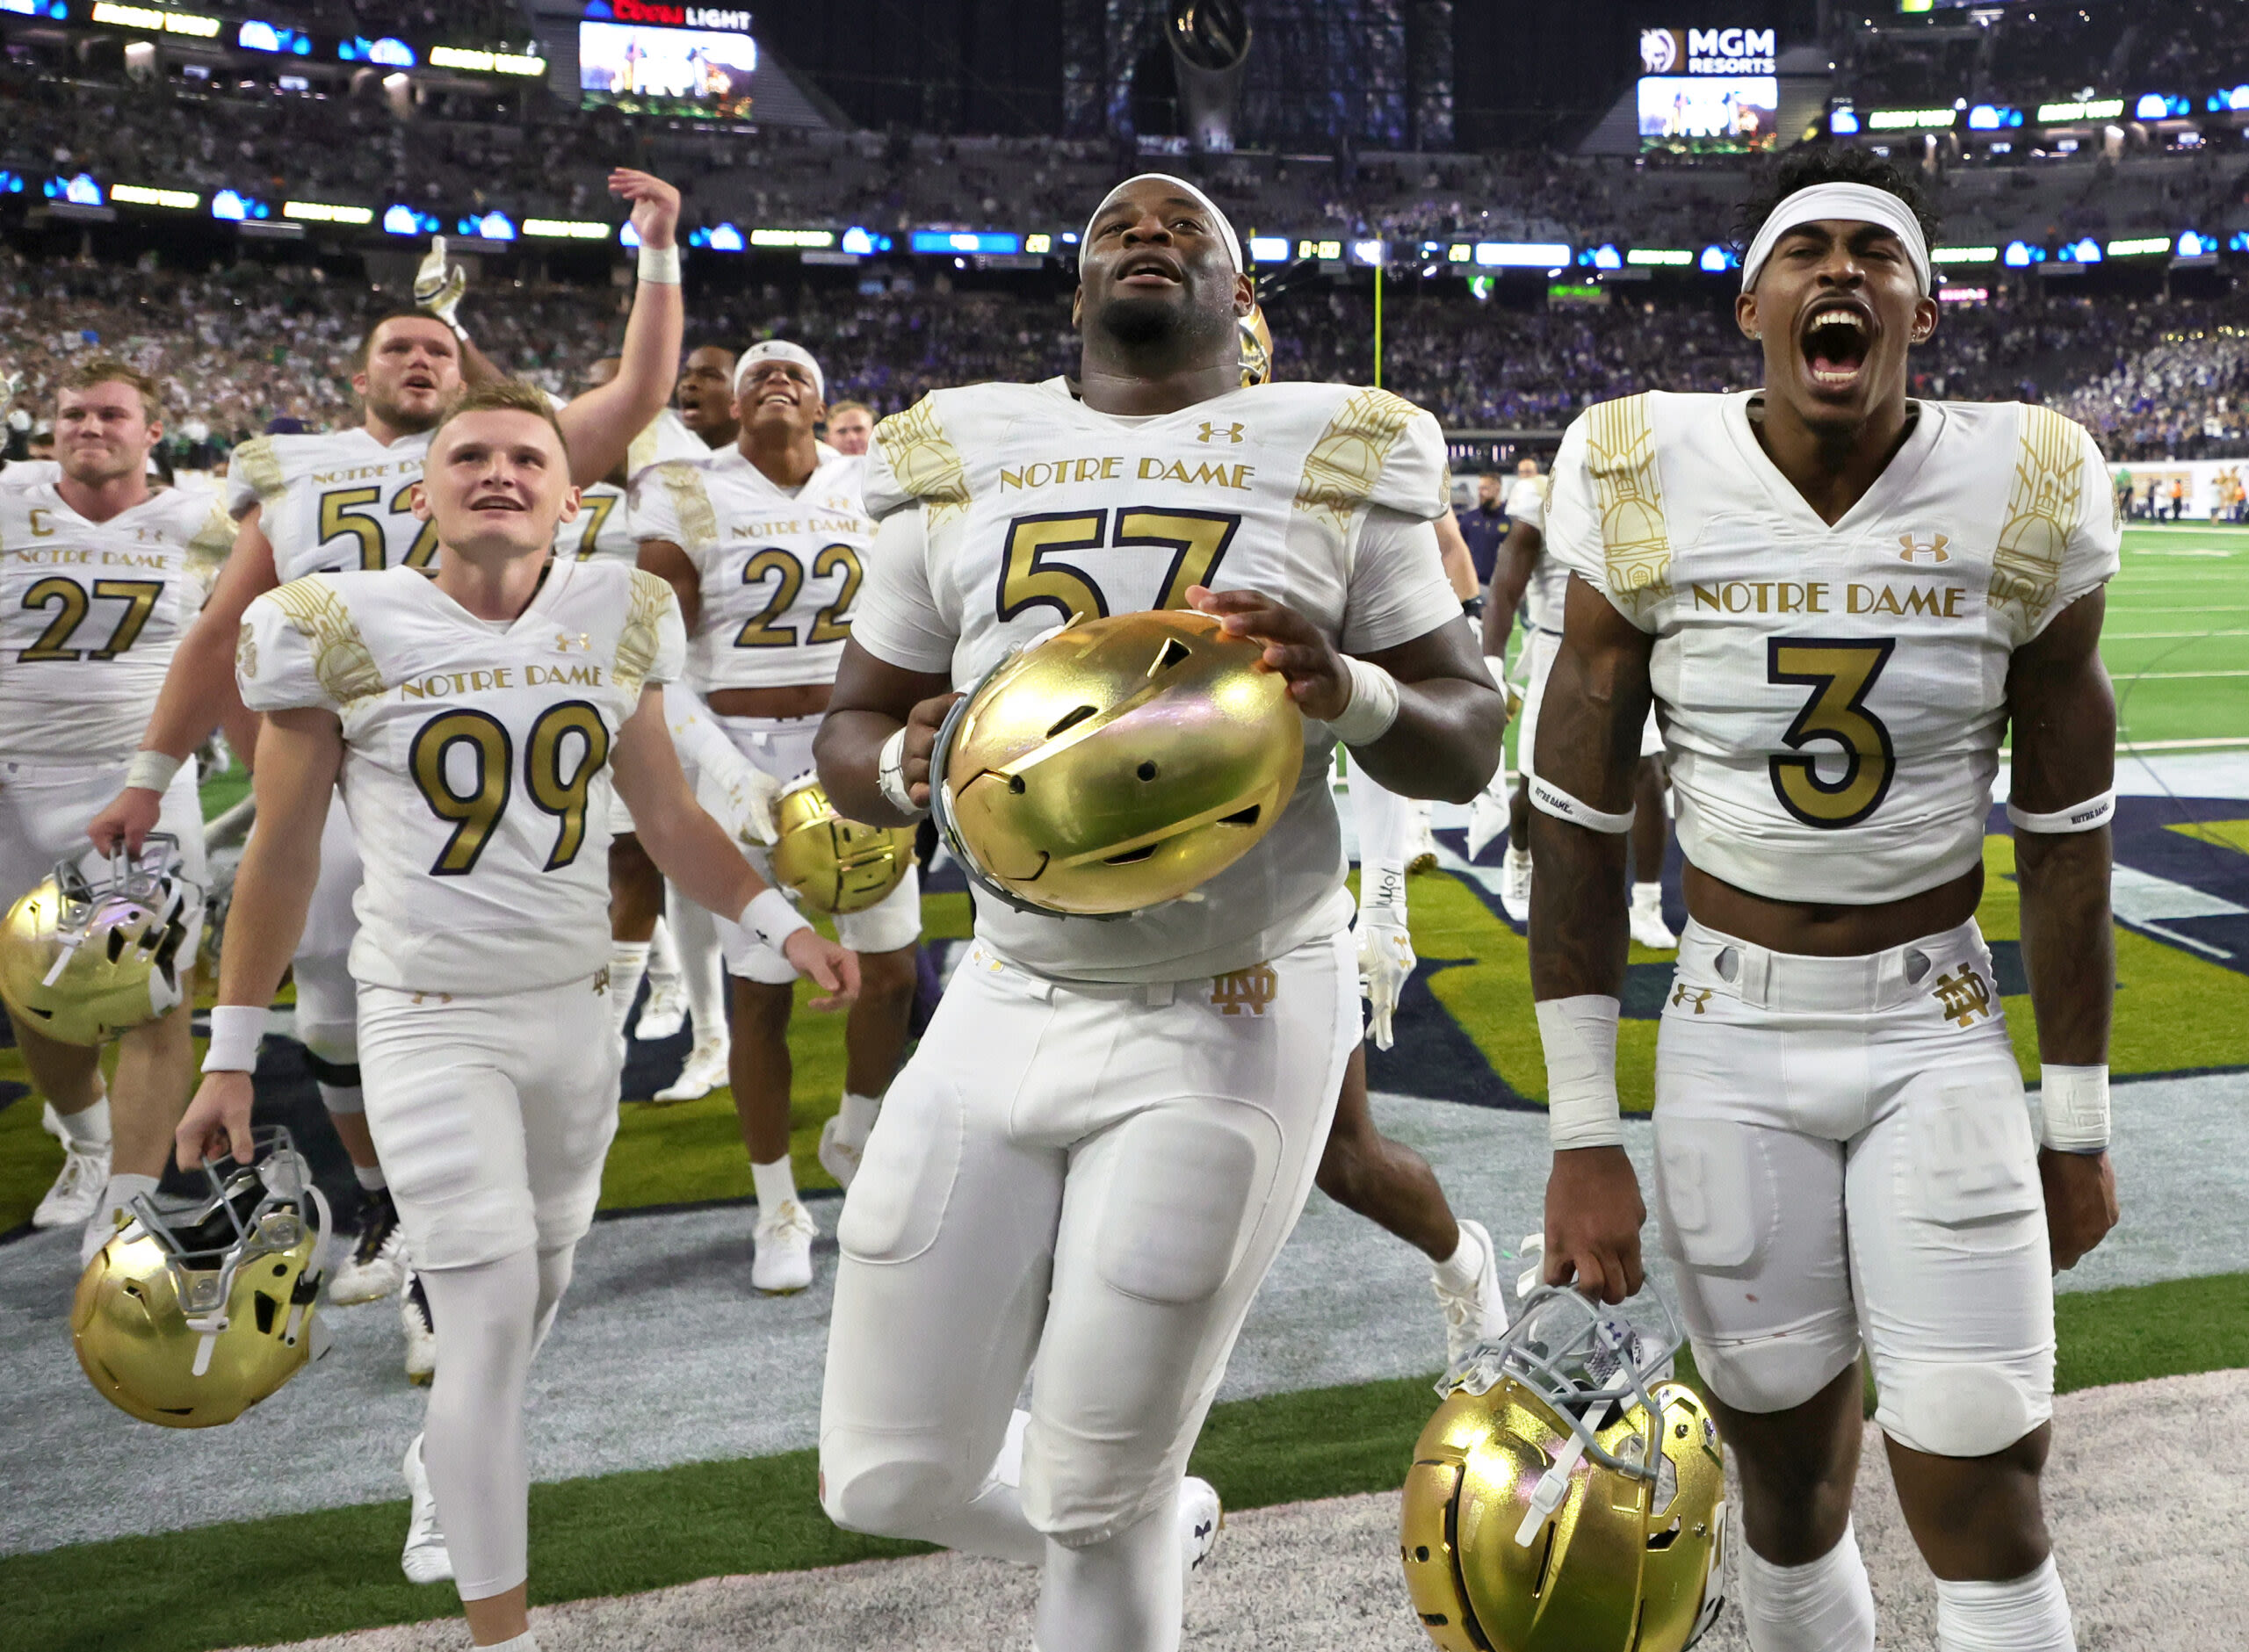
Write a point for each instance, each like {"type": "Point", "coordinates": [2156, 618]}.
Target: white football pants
{"type": "Point", "coordinates": [46, 807]}
{"type": "Point", "coordinates": [1844, 1154]}
{"type": "Point", "coordinates": [1095, 1180]}
{"type": "Point", "coordinates": [328, 998]}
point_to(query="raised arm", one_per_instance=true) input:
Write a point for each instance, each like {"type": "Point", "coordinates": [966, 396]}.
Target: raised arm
{"type": "Point", "coordinates": [600, 425]}
{"type": "Point", "coordinates": [2064, 713]}
{"type": "Point", "coordinates": [299, 754]}
{"type": "Point", "coordinates": [1588, 748]}
{"type": "Point", "coordinates": [694, 851]}
{"type": "Point", "coordinates": [198, 691]}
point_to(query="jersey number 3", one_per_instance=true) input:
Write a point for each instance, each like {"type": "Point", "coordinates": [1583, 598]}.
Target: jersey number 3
{"type": "Point", "coordinates": [490, 754]}
{"type": "Point", "coordinates": [1841, 673]}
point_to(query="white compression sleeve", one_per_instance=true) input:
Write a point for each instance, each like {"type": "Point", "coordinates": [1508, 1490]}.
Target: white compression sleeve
{"type": "Point", "coordinates": [696, 931]}
{"type": "Point", "coordinates": [1386, 823]}
{"type": "Point", "coordinates": [1124, 1595]}
{"type": "Point", "coordinates": [1823, 1605]}
{"type": "Point", "coordinates": [487, 1318]}
{"type": "Point", "coordinates": [2029, 1614]}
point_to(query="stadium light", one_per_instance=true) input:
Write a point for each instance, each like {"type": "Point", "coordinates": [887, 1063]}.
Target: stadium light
{"type": "Point", "coordinates": [1843, 122]}
{"type": "Point", "coordinates": [1963, 255]}
{"type": "Point", "coordinates": [164, 21]}
{"type": "Point", "coordinates": [2239, 241]}
{"type": "Point", "coordinates": [2138, 246]}
{"type": "Point", "coordinates": [493, 226]}
{"type": "Point", "coordinates": [1907, 119]}
{"type": "Point", "coordinates": [483, 62]}
{"type": "Point", "coordinates": [2021, 254]}
{"type": "Point", "coordinates": [1604, 257]}
{"type": "Point", "coordinates": [2223, 102]}
{"type": "Point", "coordinates": [866, 242]}
{"type": "Point", "coordinates": [1717, 259]}
{"type": "Point", "coordinates": [136, 195]}
{"type": "Point", "coordinates": [405, 220]}
{"type": "Point", "coordinates": [257, 36]}
{"type": "Point", "coordinates": [389, 51]}
{"type": "Point", "coordinates": [1368, 252]}
{"type": "Point", "coordinates": [559, 228]}
{"type": "Point", "coordinates": [54, 9]}
{"type": "Point", "coordinates": [237, 208]}
{"type": "Point", "coordinates": [1268, 249]}
{"type": "Point", "coordinates": [1522, 255]}
{"type": "Point", "coordinates": [81, 190]}
{"type": "Point", "coordinates": [2100, 109]}
{"type": "Point", "coordinates": [2189, 245]}
{"type": "Point", "coordinates": [801, 238]}
{"type": "Point", "coordinates": [323, 213]}
{"type": "Point", "coordinates": [2084, 251]}
{"type": "Point", "coordinates": [1993, 117]}
{"type": "Point", "coordinates": [1659, 256]}
{"type": "Point", "coordinates": [12, 182]}
{"type": "Point", "coordinates": [626, 235]}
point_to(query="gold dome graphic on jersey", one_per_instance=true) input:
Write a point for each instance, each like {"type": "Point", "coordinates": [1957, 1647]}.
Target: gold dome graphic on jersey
{"type": "Point", "coordinates": [1116, 763]}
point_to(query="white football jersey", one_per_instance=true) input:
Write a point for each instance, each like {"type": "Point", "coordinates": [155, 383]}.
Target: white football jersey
{"type": "Point", "coordinates": [476, 760]}
{"type": "Point", "coordinates": [1832, 697]}
{"type": "Point", "coordinates": [1033, 507]}
{"type": "Point", "coordinates": [603, 529]}
{"type": "Point", "coordinates": [30, 473]}
{"type": "Point", "coordinates": [1542, 594]}
{"type": "Point", "coordinates": [333, 501]}
{"type": "Point", "coordinates": [91, 613]}
{"type": "Point", "coordinates": [781, 568]}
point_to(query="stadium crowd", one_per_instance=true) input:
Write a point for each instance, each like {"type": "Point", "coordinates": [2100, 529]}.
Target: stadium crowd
{"type": "Point", "coordinates": [242, 348]}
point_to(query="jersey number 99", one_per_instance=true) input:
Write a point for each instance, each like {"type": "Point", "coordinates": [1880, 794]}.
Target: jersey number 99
{"type": "Point", "coordinates": [1841, 673]}
{"type": "Point", "coordinates": [483, 740]}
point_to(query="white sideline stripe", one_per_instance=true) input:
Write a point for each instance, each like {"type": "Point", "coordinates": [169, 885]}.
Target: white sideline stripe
{"type": "Point", "coordinates": [2177, 676]}
{"type": "Point", "coordinates": [2167, 636]}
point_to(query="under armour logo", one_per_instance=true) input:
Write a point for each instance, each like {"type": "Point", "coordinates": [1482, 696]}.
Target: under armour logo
{"type": "Point", "coordinates": [1212, 432]}
{"type": "Point", "coordinates": [1244, 990]}
{"type": "Point", "coordinates": [1933, 550]}
{"type": "Point", "coordinates": [1685, 997]}
{"type": "Point", "coordinates": [564, 642]}
{"type": "Point", "coordinates": [1963, 996]}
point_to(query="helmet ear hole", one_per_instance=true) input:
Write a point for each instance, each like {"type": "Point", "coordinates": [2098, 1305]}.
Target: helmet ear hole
{"type": "Point", "coordinates": [1246, 818]}
{"type": "Point", "coordinates": [1174, 652]}
{"type": "Point", "coordinates": [1076, 716]}
{"type": "Point", "coordinates": [1132, 857]}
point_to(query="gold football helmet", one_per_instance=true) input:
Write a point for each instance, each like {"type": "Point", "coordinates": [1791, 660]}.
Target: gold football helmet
{"type": "Point", "coordinates": [189, 1321]}
{"type": "Point", "coordinates": [82, 963]}
{"type": "Point", "coordinates": [1567, 1496]}
{"type": "Point", "coordinates": [832, 864]}
{"type": "Point", "coordinates": [1116, 763]}
{"type": "Point", "coordinates": [1257, 346]}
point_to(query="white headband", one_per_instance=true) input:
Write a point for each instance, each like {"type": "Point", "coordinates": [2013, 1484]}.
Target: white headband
{"type": "Point", "coordinates": [1860, 203]}
{"type": "Point", "coordinates": [1225, 229]}
{"type": "Point", "coordinates": [777, 349]}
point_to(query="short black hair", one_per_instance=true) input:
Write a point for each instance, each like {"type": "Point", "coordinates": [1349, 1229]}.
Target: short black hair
{"type": "Point", "coordinates": [1802, 167]}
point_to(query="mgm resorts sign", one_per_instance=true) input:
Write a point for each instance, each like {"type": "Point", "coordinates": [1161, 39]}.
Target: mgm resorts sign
{"type": "Point", "coordinates": [1706, 52]}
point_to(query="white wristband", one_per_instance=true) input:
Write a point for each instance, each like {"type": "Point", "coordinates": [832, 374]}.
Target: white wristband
{"type": "Point", "coordinates": [2089, 816]}
{"type": "Point", "coordinates": [772, 919]}
{"type": "Point", "coordinates": [1580, 1034]}
{"type": "Point", "coordinates": [890, 777]}
{"type": "Point", "coordinates": [152, 771]}
{"type": "Point", "coordinates": [235, 1030]}
{"type": "Point", "coordinates": [2074, 1103]}
{"type": "Point", "coordinates": [1372, 707]}
{"type": "Point", "coordinates": [1554, 801]}
{"type": "Point", "coordinates": [660, 265]}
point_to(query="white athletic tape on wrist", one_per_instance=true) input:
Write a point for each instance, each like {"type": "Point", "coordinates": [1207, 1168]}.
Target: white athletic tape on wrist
{"type": "Point", "coordinates": [2091, 815]}
{"type": "Point", "coordinates": [235, 1030]}
{"type": "Point", "coordinates": [1373, 706]}
{"type": "Point", "coordinates": [152, 771]}
{"type": "Point", "coordinates": [2074, 1103]}
{"type": "Point", "coordinates": [890, 777]}
{"type": "Point", "coordinates": [1551, 800]}
{"type": "Point", "coordinates": [1579, 1035]}
{"type": "Point", "coordinates": [771, 917]}
{"type": "Point", "coordinates": [660, 265]}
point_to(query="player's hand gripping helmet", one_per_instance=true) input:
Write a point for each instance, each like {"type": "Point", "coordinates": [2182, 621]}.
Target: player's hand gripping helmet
{"type": "Point", "coordinates": [1567, 1496]}
{"type": "Point", "coordinates": [82, 962]}
{"type": "Point", "coordinates": [832, 864]}
{"type": "Point", "coordinates": [1116, 763]}
{"type": "Point", "coordinates": [1257, 347]}
{"type": "Point", "coordinates": [189, 1321]}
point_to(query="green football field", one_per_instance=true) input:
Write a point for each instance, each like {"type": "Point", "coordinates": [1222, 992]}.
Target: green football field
{"type": "Point", "coordinates": [2177, 639]}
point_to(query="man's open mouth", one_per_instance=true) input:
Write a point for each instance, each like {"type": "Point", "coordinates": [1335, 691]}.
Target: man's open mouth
{"type": "Point", "coordinates": [1837, 336]}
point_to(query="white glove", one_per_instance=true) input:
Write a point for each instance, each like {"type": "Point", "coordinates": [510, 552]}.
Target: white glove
{"type": "Point", "coordinates": [1385, 960]}
{"type": "Point", "coordinates": [439, 286]}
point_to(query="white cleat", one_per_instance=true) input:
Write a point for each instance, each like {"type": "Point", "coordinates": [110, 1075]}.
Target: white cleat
{"type": "Point", "coordinates": [781, 1250]}
{"type": "Point", "coordinates": [1648, 928]}
{"type": "Point", "coordinates": [665, 1013]}
{"type": "Point", "coordinates": [377, 1265]}
{"type": "Point", "coordinates": [109, 1215]}
{"type": "Point", "coordinates": [705, 1070]}
{"type": "Point", "coordinates": [839, 1153]}
{"type": "Point", "coordinates": [1514, 884]}
{"type": "Point", "coordinates": [77, 1190]}
{"type": "Point", "coordinates": [421, 1333]}
{"type": "Point", "coordinates": [1479, 1313]}
{"type": "Point", "coordinates": [1488, 818]}
{"type": "Point", "coordinates": [1201, 1518]}
{"type": "Point", "coordinates": [425, 1560]}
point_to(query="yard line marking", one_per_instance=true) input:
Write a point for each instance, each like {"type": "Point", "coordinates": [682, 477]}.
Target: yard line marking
{"type": "Point", "coordinates": [2178, 677]}
{"type": "Point", "coordinates": [2159, 635]}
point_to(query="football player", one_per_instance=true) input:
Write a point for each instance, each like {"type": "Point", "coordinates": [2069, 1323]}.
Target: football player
{"type": "Point", "coordinates": [1842, 598]}
{"type": "Point", "coordinates": [849, 427]}
{"type": "Point", "coordinates": [324, 503]}
{"type": "Point", "coordinates": [1530, 577]}
{"type": "Point", "coordinates": [765, 544]}
{"type": "Point", "coordinates": [98, 578]}
{"type": "Point", "coordinates": [672, 940]}
{"type": "Point", "coordinates": [481, 715]}
{"type": "Point", "coordinates": [1109, 1127]}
